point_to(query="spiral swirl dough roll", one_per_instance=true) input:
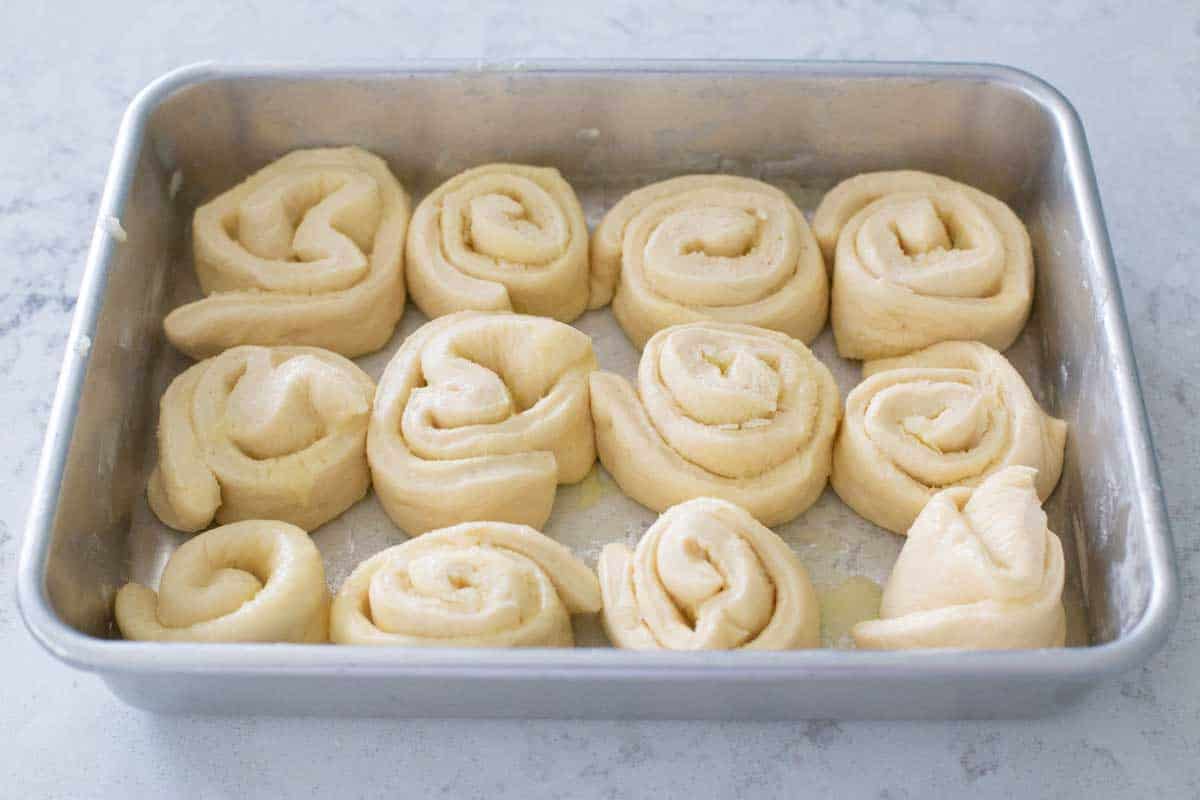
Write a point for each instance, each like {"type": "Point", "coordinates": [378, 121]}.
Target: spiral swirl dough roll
{"type": "Point", "coordinates": [721, 410]}
{"type": "Point", "coordinates": [500, 237]}
{"type": "Point", "coordinates": [477, 584]}
{"type": "Point", "coordinates": [980, 570]}
{"type": "Point", "coordinates": [949, 415]}
{"type": "Point", "coordinates": [479, 416]}
{"type": "Point", "coordinates": [919, 259]}
{"type": "Point", "coordinates": [709, 247]}
{"type": "Point", "coordinates": [307, 251]}
{"type": "Point", "coordinates": [708, 576]}
{"type": "Point", "coordinates": [252, 581]}
{"type": "Point", "coordinates": [262, 433]}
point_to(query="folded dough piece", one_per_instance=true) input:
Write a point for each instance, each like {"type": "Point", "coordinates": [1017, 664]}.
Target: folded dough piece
{"type": "Point", "coordinates": [479, 416]}
{"type": "Point", "coordinates": [709, 247]}
{"type": "Point", "coordinates": [708, 576]}
{"type": "Point", "coordinates": [262, 433]}
{"type": "Point", "coordinates": [919, 259]}
{"type": "Point", "coordinates": [949, 415]}
{"type": "Point", "coordinates": [980, 570]}
{"type": "Point", "coordinates": [307, 251]}
{"type": "Point", "coordinates": [478, 584]}
{"type": "Point", "coordinates": [721, 410]}
{"type": "Point", "coordinates": [252, 581]}
{"type": "Point", "coordinates": [501, 237]}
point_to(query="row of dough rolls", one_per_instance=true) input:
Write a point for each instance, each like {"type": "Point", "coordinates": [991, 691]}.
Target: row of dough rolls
{"type": "Point", "coordinates": [481, 415]}
{"type": "Point", "coordinates": [311, 250]}
{"type": "Point", "coordinates": [316, 250]}
{"type": "Point", "coordinates": [479, 584]}
{"type": "Point", "coordinates": [979, 570]}
{"type": "Point", "coordinates": [705, 576]}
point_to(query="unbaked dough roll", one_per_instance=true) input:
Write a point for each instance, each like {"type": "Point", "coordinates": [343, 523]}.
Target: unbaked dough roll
{"type": "Point", "coordinates": [721, 410]}
{"type": "Point", "coordinates": [501, 237]}
{"type": "Point", "coordinates": [709, 247]}
{"type": "Point", "coordinates": [252, 581]}
{"type": "Point", "coordinates": [949, 415]}
{"type": "Point", "coordinates": [919, 259]}
{"type": "Point", "coordinates": [262, 433]}
{"type": "Point", "coordinates": [307, 251]}
{"type": "Point", "coordinates": [708, 576]}
{"type": "Point", "coordinates": [478, 584]}
{"type": "Point", "coordinates": [980, 570]}
{"type": "Point", "coordinates": [479, 416]}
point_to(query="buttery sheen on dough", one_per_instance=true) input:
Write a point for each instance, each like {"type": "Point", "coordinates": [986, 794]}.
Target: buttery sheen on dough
{"type": "Point", "coordinates": [307, 251]}
{"type": "Point", "coordinates": [252, 581]}
{"type": "Point", "coordinates": [736, 412]}
{"type": "Point", "coordinates": [708, 576]}
{"type": "Point", "coordinates": [949, 415]}
{"type": "Point", "coordinates": [262, 433]}
{"type": "Point", "coordinates": [919, 259]}
{"type": "Point", "coordinates": [478, 584]}
{"type": "Point", "coordinates": [501, 237]}
{"type": "Point", "coordinates": [980, 570]}
{"type": "Point", "coordinates": [709, 247]}
{"type": "Point", "coordinates": [479, 416]}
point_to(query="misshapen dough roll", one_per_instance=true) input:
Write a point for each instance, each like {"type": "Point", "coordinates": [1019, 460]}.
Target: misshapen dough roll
{"type": "Point", "coordinates": [479, 416]}
{"type": "Point", "coordinates": [252, 581]}
{"type": "Point", "coordinates": [980, 570]}
{"type": "Point", "coordinates": [949, 415]}
{"type": "Point", "coordinates": [262, 433]}
{"type": "Point", "coordinates": [478, 584]}
{"type": "Point", "coordinates": [919, 259]}
{"type": "Point", "coordinates": [708, 576]}
{"type": "Point", "coordinates": [501, 237]}
{"type": "Point", "coordinates": [709, 247]}
{"type": "Point", "coordinates": [307, 251]}
{"type": "Point", "coordinates": [721, 410]}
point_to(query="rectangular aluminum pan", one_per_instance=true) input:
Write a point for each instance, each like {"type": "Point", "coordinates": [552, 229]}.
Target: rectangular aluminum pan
{"type": "Point", "coordinates": [608, 126]}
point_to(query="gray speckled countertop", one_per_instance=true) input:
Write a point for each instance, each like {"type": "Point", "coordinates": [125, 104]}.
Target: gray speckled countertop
{"type": "Point", "coordinates": [66, 75]}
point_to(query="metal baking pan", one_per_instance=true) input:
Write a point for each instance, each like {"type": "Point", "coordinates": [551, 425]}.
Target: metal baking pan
{"type": "Point", "coordinates": [609, 126]}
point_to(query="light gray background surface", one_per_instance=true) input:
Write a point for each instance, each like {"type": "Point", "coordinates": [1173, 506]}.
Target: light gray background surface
{"type": "Point", "coordinates": [66, 75]}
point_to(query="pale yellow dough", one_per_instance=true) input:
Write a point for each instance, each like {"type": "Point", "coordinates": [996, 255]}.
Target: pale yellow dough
{"type": "Point", "coordinates": [949, 415]}
{"type": "Point", "coordinates": [478, 584]}
{"type": "Point", "coordinates": [479, 416]}
{"type": "Point", "coordinates": [252, 581]}
{"type": "Point", "coordinates": [708, 576]}
{"type": "Point", "coordinates": [736, 412]}
{"type": "Point", "coordinates": [980, 570]}
{"type": "Point", "coordinates": [501, 237]}
{"type": "Point", "coordinates": [919, 259]}
{"type": "Point", "coordinates": [307, 251]}
{"type": "Point", "coordinates": [709, 247]}
{"type": "Point", "coordinates": [262, 433]}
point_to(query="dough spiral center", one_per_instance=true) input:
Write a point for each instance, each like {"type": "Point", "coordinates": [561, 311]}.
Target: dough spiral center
{"type": "Point", "coordinates": [946, 427]}
{"type": "Point", "coordinates": [941, 245]}
{"type": "Point", "coordinates": [713, 248]}
{"type": "Point", "coordinates": [711, 575]}
{"type": "Point", "coordinates": [704, 385]}
{"type": "Point", "coordinates": [309, 230]}
{"type": "Point", "coordinates": [472, 591]}
{"type": "Point", "coordinates": [521, 225]}
{"type": "Point", "coordinates": [275, 411]}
